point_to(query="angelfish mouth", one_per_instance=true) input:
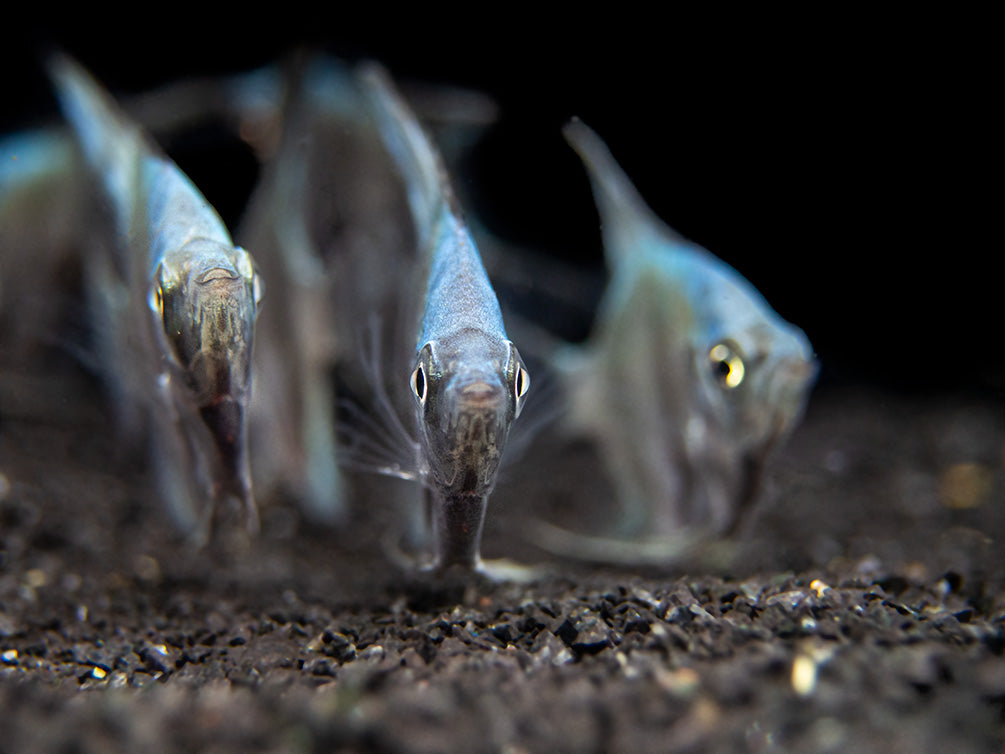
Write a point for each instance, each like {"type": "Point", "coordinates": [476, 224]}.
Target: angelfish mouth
{"type": "Point", "coordinates": [479, 396]}
{"type": "Point", "coordinates": [218, 273]}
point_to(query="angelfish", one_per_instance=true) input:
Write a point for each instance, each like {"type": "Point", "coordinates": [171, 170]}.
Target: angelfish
{"type": "Point", "coordinates": [41, 180]}
{"type": "Point", "coordinates": [175, 309]}
{"type": "Point", "coordinates": [689, 379]}
{"type": "Point", "coordinates": [468, 380]}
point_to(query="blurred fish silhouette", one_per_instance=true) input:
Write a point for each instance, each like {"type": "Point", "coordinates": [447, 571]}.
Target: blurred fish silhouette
{"type": "Point", "coordinates": [174, 308]}
{"type": "Point", "coordinates": [687, 383]}
{"type": "Point", "coordinates": [41, 213]}
{"type": "Point", "coordinates": [468, 379]}
{"type": "Point", "coordinates": [327, 222]}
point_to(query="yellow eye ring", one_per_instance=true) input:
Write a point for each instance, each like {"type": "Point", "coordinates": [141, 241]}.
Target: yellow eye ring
{"type": "Point", "coordinates": [156, 300]}
{"type": "Point", "coordinates": [257, 288]}
{"type": "Point", "coordinates": [727, 366]}
{"type": "Point", "coordinates": [522, 383]}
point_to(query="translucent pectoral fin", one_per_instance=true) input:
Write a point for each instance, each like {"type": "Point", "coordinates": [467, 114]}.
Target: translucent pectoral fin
{"type": "Point", "coordinates": [324, 490]}
{"type": "Point", "coordinates": [177, 480]}
{"type": "Point", "coordinates": [689, 546]}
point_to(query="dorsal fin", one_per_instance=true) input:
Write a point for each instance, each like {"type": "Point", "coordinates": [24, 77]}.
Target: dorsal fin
{"type": "Point", "coordinates": [627, 220]}
{"type": "Point", "coordinates": [136, 175]}
{"type": "Point", "coordinates": [458, 292]}
{"type": "Point", "coordinates": [112, 145]}
{"type": "Point", "coordinates": [430, 194]}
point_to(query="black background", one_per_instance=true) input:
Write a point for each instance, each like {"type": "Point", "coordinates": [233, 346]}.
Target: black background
{"type": "Point", "coordinates": [843, 165]}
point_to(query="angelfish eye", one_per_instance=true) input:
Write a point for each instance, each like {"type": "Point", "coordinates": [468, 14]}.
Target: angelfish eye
{"type": "Point", "coordinates": [257, 288]}
{"type": "Point", "coordinates": [727, 366]}
{"type": "Point", "coordinates": [155, 300]}
{"type": "Point", "coordinates": [522, 383]}
{"type": "Point", "coordinates": [418, 383]}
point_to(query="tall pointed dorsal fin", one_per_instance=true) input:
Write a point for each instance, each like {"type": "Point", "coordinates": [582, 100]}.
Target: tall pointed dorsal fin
{"type": "Point", "coordinates": [138, 177]}
{"type": "Point", "coordinates": [430, 194]}
{"type": "Point", "coordinates": [112, 145]}
{"type": "Point", "coordinates": [626, 218]}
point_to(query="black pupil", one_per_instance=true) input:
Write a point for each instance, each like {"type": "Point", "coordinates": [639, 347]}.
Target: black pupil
{"type": "Point", "coordinates": [519, 381]}
{"type": "Point", "coordinates": [420, 383]}
{"type": "Point", "coordinates": [722, 368]}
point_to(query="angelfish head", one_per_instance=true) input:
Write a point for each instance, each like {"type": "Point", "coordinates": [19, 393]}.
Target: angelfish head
{"type": "Point", "coordinates": [758, 380]}
{"type": "Point", "coordinates": [468, 389]}
{"type": "Point", "coordinates": [207, 303]}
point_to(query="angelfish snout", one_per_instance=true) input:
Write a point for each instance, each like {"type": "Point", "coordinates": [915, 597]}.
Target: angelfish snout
{"type": "Point", "coordinates": [476, 410]}
{"type": "Point", "coordinates": [480, 395]}
{"type": "Point", "coordinates": [468, 440]}
{"type": "Point", "coordinates": [791, 380]}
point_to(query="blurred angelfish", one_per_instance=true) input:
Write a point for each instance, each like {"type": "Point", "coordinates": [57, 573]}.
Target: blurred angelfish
{"type": "Point", "coordinates": [174, 310]}
{"type": "Point", "coordinates": [326, 222]}
{"type": "Point", "coordinates": [468, 380]}
{"type": "Point", "coordinates": [41, 181]}
{"type": "Point", "coordinates": [689, 379]}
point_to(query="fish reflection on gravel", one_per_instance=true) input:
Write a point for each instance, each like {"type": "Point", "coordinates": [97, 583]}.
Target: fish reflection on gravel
{"type": "Point", "coordinates": [173, 307]}
{"type": "Point", "coordinates": [689, 379]}
{"type": "Point", "coordinates": [468, 379]}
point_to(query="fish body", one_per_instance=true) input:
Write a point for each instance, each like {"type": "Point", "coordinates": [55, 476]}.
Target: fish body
{"type": "Point", "coordinates": [468, 380]}
{"type": "Point", "coordinates": [41, 180]}
{"type": "Point", "coordinates": [174, 307]}
{"type": "Point", "coordinates": [326, 223]}
{"type": "Point", "coordinates": [689, 379]}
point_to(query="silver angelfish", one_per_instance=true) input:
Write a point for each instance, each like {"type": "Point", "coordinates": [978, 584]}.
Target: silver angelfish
{"type": "Point", "coordinates": [689, 379]}
{"type": "Point", "coordinates": [468, 380]}
{"type": "Point", "coordinates": [174, 307]}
